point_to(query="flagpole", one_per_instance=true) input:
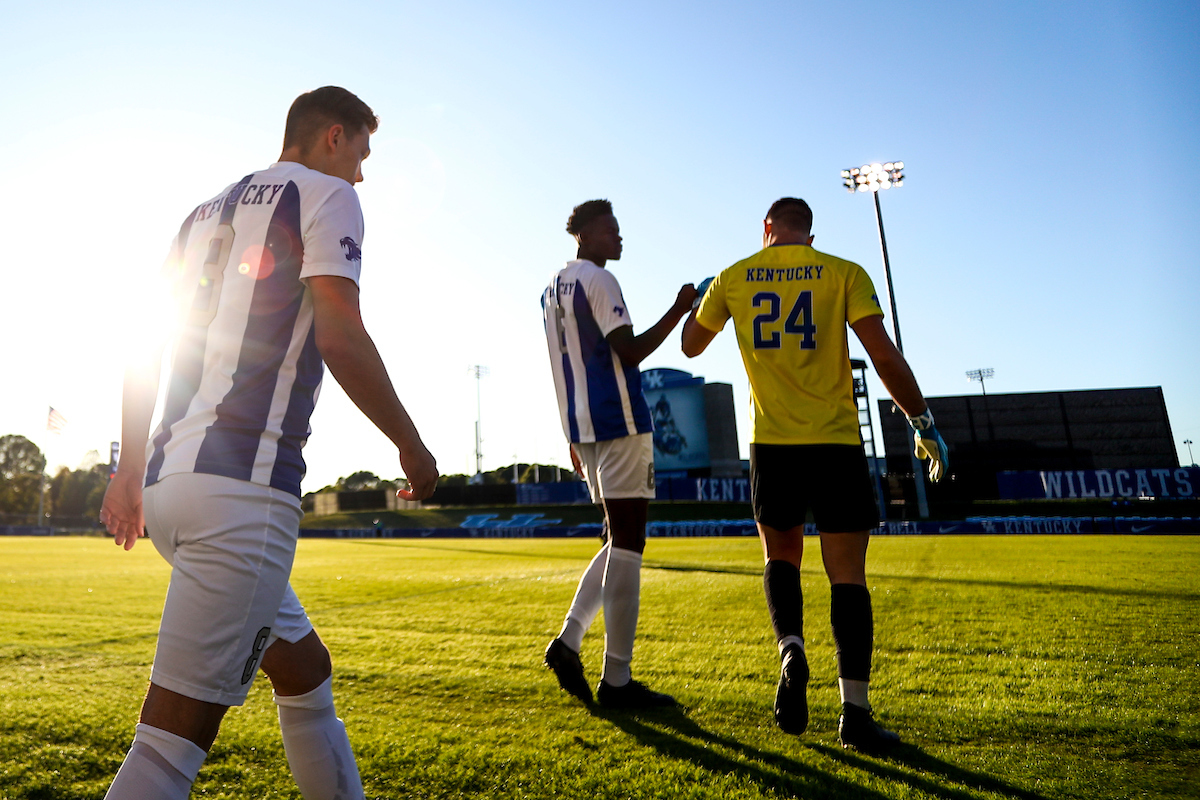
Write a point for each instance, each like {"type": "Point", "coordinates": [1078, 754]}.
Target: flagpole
{"type": "Point", "coordinates": [42, 500]}
{"type": "Point", "coordinates": [54, 425]}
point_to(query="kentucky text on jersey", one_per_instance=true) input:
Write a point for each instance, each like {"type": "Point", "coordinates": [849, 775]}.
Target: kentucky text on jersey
{"type": "Point", "coordinates": [252, 194]}
{"type": "Point", "coordinates": [764, 274]}
{"type": "Point", "coordinates": [245, 369]}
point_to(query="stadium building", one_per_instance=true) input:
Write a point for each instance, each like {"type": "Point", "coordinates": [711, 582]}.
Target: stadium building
{"type": "Point", "coordinates": [1111, 442]}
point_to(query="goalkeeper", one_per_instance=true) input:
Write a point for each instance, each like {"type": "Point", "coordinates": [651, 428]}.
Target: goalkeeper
{"type": "Point", "coordinates": [790, 306]}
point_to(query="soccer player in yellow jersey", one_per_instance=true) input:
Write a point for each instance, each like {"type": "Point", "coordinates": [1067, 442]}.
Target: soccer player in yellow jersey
{"type": "Point", "coordinates": [790, 306]}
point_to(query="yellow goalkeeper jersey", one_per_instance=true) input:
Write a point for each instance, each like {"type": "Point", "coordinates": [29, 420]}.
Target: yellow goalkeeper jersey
{"type": "Point", "coordinates": [790, 306]}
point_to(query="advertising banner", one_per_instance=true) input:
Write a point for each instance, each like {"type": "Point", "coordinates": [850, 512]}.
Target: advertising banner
{"type": "Point", "coordinates": [680, 429]}
{"type": "Point", "coordinates": [1165, 483]}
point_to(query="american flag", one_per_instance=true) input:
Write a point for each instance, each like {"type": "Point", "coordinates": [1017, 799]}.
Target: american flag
{"type": "Point", "coordinates": [56, 422]}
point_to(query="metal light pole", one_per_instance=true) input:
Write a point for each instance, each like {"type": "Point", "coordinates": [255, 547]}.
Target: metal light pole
{"type": "Point", "coordinates": [1191, 458]}
{"type": "Point", "coordinates": [479, 372]}
{"type": "Point", "coordinates": [872, 178]}
{"type": "Point", "coordinates": [981, 375]}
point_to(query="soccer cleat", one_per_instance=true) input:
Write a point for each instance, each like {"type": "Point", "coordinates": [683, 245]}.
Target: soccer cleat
{"type": "Point", "coordinates": [632, 695]}
{"type": "Point", "coordinates": [566, 666]}
{"type": "Point", "coordinates": [858, 729]}
{"type": "Point", "coordinates": [791, 696]}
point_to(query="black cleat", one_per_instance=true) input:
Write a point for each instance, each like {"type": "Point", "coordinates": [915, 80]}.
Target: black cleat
{"type": "Point", "coordinates": [858, 729]}
{"type": "Point", "coordinates": [791, 697]}
{"type": "Point", "coordinates": [566, 666]}
{"type": "Point", "coordinates": [632, 695]}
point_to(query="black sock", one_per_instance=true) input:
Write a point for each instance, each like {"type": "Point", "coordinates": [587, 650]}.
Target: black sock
{"type": "Point", "coordinates": [853, 630]}
{"type": "Point", "coordinates": [781, 583]}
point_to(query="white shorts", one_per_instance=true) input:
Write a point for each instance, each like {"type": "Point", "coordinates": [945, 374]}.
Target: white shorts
{"type": "Point", "coordinates": [618, 469]}
{"type": "Point", "coordinates": [230, 544]}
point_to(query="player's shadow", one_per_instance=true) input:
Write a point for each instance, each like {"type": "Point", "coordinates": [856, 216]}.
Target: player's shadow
{"type": "Point", "coordinates": [674, 735]}
{"type": "Point", "coordinates": [917, 760]}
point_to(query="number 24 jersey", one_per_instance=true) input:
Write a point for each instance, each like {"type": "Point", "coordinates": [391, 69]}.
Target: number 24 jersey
{"type": "Point", "coordinates": [790, 306]}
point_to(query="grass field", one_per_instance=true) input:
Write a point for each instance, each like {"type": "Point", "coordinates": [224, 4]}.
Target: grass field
{"type": "Point", "coordinates": [1027, 667]}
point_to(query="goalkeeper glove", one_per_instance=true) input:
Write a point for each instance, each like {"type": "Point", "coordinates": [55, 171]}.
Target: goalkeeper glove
{"type": "Point", "coordinates": [700, 290]}
{"type": "Point", "coordinates": [929, 445]}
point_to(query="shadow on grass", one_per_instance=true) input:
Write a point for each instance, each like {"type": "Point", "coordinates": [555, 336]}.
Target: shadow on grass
{"type": "Point", "coordinates": [674, 735]}
{"type": "Point", "coordinates": [1050, 587]}
{"type": "Point", "coordinates": [754, 571]}
{"type": "Point", "coordinates": [927, 768]}
{"type": "Point", "coordinates": [671, 733]}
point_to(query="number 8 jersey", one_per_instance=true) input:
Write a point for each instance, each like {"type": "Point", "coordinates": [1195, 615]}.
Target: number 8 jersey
{"type": "Point", "coordinates": [245, 370]}
{"type": "Point", "coordinates": [790, 306]}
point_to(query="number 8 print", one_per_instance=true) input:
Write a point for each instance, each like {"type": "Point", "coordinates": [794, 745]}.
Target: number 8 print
{"type": "Point", "coordinates": [208, 293]}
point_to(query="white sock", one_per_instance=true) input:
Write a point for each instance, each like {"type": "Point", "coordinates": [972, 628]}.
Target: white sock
{"type": "Point", "coordinates": [622, 594]}
{"type": "Point", "coordinates": [587, 600]}
{"type": "Point", "coordinates": [318, 750]}
{"type": "Point", "coordinates": [854, 692]}
{"type": "Point", "coordinates": [159, 766]}
{"type": "Point", "coordinates": [788, 641]}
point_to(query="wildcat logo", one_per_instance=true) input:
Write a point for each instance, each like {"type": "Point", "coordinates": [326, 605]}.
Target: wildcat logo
{"type": "Point", "coordinates": [353, 253]}
{"type": "Point", "coordinates": [620, 312]}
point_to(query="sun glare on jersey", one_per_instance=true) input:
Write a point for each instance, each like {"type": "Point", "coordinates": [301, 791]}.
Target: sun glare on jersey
{"type": "Point", "coordinates": [257, 262]}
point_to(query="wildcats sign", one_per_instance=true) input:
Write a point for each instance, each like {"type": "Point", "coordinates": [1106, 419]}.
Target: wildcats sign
{"type": "Point", "coordinates": [1177, 482]}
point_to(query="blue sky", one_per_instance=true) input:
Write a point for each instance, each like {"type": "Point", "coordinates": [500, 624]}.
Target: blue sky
{"type": "Point", "coordinates": [1044, 228]}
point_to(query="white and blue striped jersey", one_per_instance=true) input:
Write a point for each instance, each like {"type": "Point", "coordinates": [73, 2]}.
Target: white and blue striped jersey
{"type": "Point", "coordinates": [599, 398]}
{"type": "Point", "coordinates": [245, 370]}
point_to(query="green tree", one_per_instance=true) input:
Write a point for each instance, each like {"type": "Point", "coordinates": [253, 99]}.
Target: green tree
{"type": "Point", "coordinates": [21, 466]}
{"type": "Point", "coordinates": [358, 481]}
{"type": "Point", "coordinates": [80, 492]}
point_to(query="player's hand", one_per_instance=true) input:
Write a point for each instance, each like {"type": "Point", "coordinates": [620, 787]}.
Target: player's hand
{"type": "Point", "coordinates": [683, 301]}
{"type": "Point", "coordinates": [420, 468]}
{"type": "Point", "coordinates": [576, 464]}
{"type": "Point", "coordinates": [931, 447]}
{"type": "Point", "coordinates": [700, 290]}
{"type": "Point", "coordinates": [121, 511]}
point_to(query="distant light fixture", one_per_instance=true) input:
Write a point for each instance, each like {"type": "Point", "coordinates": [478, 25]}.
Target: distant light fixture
{"type": "Point", "coordinates": [873, 177]}
{"type": "Point", "coordinates": [981, 375]}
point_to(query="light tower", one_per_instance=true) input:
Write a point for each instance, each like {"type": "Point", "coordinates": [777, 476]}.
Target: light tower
{"type": "Point", "coordinates": [480, 372]}
{"type": "Point", "coordinates": [1191, 458]}
{"type": "Point", "coordinates": [982, 374]}
{"type": "Point", "coordinates": [872, 178]}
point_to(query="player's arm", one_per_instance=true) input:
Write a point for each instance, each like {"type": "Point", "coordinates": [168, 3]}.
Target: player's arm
{"type": "Point", "coordinates": [898, 379]}
{"type": "Point", "coordinates": [351, 356]}
{"type": "Point", "coordinates": [634, 349]}
{"type": "Point", "coordinates": [121, 512]}
{"type": "Point", "coordinates": [696, 337]}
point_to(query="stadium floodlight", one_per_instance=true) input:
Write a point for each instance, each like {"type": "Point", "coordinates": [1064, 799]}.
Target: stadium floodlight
{"type": "Point", "coordinates": [479, 372]}
{"type": "Point", "coordinates": [981, 375]}
{"type": "Point", "coordinates": [1191, 458]}
{"type": "Point", "coordinates": [871, 178]}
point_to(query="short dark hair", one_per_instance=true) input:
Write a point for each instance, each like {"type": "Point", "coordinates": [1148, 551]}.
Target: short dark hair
{"type": "Point", "coordinates": [791, 213]}
{"type": "Point", "coordinates": [316, 111]}
{"type": "Point", "coordinates": [584, 213]}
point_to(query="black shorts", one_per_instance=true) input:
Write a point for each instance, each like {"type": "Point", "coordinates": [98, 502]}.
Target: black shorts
{"type": "Point", "coordinates": [787, 480]}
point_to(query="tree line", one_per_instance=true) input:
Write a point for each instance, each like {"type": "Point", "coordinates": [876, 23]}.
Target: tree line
{"type": "Point", "coordinates": [73, 496]}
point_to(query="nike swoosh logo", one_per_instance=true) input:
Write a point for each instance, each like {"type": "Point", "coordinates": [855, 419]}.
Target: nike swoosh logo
{"type": "Point", "coordinates": [1141, 528]}
{"type": "Point", "coordinates": [948, 529]}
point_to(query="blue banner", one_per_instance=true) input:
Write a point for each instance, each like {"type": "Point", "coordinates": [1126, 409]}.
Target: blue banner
{"type": "Point", "coordinates": [712, 490]}
{"type": "Point", "coordinates": [521, 526]}
{"type": "Point", "coordinates": [1165, 483]}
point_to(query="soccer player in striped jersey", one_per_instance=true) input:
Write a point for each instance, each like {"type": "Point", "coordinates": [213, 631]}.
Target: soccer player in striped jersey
{"type": "Point", "coordinates": [594, 357]}
{"type": "Point", "coordinates": [790, 306]}
{"type": "Point", "coordinates": [264, 285]}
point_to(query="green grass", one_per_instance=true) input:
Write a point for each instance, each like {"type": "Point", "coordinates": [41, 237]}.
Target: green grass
{"type": "Point", "coordinates": [1027, 667]}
